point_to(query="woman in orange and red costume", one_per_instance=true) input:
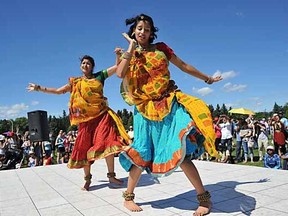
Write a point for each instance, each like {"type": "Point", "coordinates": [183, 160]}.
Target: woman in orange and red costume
{"type": "Point", "coordinates": [101, 133]}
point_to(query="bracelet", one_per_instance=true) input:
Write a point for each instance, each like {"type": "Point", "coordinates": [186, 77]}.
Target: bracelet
{"type": "Point", "coordinates": [37, 87]}
{"type": "Point", "coordinates": [127, 56]}
{"type": "Point", "coordinates": [209, 80]}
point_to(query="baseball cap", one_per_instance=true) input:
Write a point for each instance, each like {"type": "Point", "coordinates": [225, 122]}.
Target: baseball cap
{"type": "Point", "coordinates": [270, 148]}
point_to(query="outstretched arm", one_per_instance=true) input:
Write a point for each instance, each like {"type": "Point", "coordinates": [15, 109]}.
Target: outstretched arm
{"type": "Point", "coordinates": [193, 71]}
{"type": "Point", "coordinates": [62, 90]}
{"type": "Point", "coordinates": [111, 70]}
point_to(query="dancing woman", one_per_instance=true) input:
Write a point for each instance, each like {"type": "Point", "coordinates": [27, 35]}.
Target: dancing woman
{"type": "Point", "coordinates": [101, 133]}
{"type": "Point", "coordinates": [170, 127]}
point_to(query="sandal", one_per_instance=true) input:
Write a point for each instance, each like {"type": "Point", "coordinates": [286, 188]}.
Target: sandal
{"type": "Point", "coordinates": [204, 204]}
{"type": "Point", "coordinates": [87, 182]}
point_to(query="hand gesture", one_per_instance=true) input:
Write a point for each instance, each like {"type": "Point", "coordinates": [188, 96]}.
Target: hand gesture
{"type": "Point", "coordinates": [213, 79]}
{"type": "Point", "coordinates": [32, 87]}
{"type": "Point", "coordinates": [129, 39]}
{"type": "Point", "coordinates": [217, 78]}
{"type": "Point", "coordinates": [118, 51]}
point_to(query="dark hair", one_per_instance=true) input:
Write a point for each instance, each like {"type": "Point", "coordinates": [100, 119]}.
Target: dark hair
{"type": "Point", "coordinates": [135, 20]}
{"type": "Point", "coordinates": [90, 59]}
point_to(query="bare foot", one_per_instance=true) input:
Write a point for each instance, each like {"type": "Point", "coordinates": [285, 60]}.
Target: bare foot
{"type": "Point", "coordinates": [86, 186]}
{"type": "Point", "coordinates": [132, 206]}
{"type": "Point", "coordinates": [114, 180]}
{"type": "Point", "coordinates": [203, 209]}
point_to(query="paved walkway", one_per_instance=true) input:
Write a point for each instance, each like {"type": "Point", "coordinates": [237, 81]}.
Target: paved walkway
{"type": "Point", "coordinates": [55, 190]}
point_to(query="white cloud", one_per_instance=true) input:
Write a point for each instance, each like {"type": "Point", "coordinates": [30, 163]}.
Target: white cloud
{"type": "Point", "coordinates": [11, 112]}
{"type": "Point", "coordinates": [225, 75]}
{"type": "Point", "coordinates": [229, 87]}
{"type": "Point", "coordinates": [203, 91]}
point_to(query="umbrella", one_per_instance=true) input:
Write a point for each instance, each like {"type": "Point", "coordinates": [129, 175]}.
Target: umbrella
{"type": "Point", "coordinates": [241, 111]}
{"type": "Point", "coordinates": [8, 133]}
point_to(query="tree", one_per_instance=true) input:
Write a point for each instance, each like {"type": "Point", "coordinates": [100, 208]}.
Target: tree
{"type": "Point", "coordinates": [119, 113]}
{"type": "Point", "coordinates": [217, 111]}
{"type": "Point", "coordinates": [125, 118]}
{"type": "Point", "coordinates": [224, 109]}
{"type": "Point", "coordinates": [130, 119]}
{"type": "Point", "coordinates": [53, 125]}
{"type": "Point", "coordinates": [21, 125]}
{"type": "Point", "coordinates": [276, 108]}
{"type": "Point", "coordinates": [285, 110]}
{"type": "Point", "coordinates": [211, 108]}
{"type": "Point", "coordinates": [65, 121]}
{"type": "Point", "coordinates": [5, 125]}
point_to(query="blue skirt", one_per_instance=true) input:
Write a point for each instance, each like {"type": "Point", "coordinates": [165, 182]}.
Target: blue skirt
{"type": "Point", "coordinates": [159, 147]}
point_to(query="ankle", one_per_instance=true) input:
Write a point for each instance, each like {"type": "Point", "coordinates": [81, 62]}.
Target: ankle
{"type": "Point", "coordinates": [111, 175]}
{"type": "Point", "coordinates": [128, 196]}
{"type": "Point", "coordinates": [88, 177]}
{"type": "Point", "coordinates": [205, 203]}
{"type": "Point", "coordinates": [204, 197]}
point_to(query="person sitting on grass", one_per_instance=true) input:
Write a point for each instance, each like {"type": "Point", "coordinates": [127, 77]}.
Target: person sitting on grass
{"type": "Point", "coordinates": [271, 159]}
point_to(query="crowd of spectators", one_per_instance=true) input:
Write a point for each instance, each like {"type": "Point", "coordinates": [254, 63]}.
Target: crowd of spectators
{"type": "Point", "coordinates": [268, 138]}
{"type": "Point", "coordinates": [40, 153]}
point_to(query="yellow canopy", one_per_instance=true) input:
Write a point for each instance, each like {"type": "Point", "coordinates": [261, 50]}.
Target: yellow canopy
{"type": "Point", "coordinates": [241, 111]}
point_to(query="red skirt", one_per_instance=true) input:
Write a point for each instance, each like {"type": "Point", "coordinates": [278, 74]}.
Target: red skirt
{"type": "Point", "coordinates": [96, 139]}
{"type": "Point", "coordinates": [279, 137]}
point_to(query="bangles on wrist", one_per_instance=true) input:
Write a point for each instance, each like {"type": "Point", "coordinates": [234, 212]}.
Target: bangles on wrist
{"type": "Point", "coordinates": [209, 80]}
{"type": "Point", "coordinates": [127, 56]}
{"type": "Point", "coordinates": [37, 87]}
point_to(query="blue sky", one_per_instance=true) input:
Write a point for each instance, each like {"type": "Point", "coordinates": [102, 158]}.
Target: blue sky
{"type": "Point", "coordinates": [244, 40]}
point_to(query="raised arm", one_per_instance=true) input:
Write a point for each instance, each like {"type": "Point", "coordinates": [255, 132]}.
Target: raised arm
{"type": "Point", "coordinates": [193, 71]}
{"type": "Point", "coordinates": [111, 70]}
{"type": "Point", "coordinates": [124, 64]}
{"type": "Point", "coordinates": [62, 90]}
{"type": "Point", "coordinates": [118, 51]}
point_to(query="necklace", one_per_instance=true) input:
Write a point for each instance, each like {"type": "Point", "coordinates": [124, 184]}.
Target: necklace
{"type": "Point", "coordinates": [87, 77]}
{"type": "Point", "coordinates": [140, 48]}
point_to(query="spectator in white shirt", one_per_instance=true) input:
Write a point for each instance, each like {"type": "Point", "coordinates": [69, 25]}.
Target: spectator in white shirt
{"type": "Point", "coordinates": [226, 139]}
{"type": "Point", "coordinates": [131, 133]}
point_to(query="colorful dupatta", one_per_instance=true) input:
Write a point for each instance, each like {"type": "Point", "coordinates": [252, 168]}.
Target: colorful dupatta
{"type": "Point", "coordinates": [147, 85]}
{"type": "Point", "coordinates": [86, 100]}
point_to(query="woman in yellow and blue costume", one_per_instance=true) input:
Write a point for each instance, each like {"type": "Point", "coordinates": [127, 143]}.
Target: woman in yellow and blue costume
{"type": "Point", "coordinates": [170, 127]}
